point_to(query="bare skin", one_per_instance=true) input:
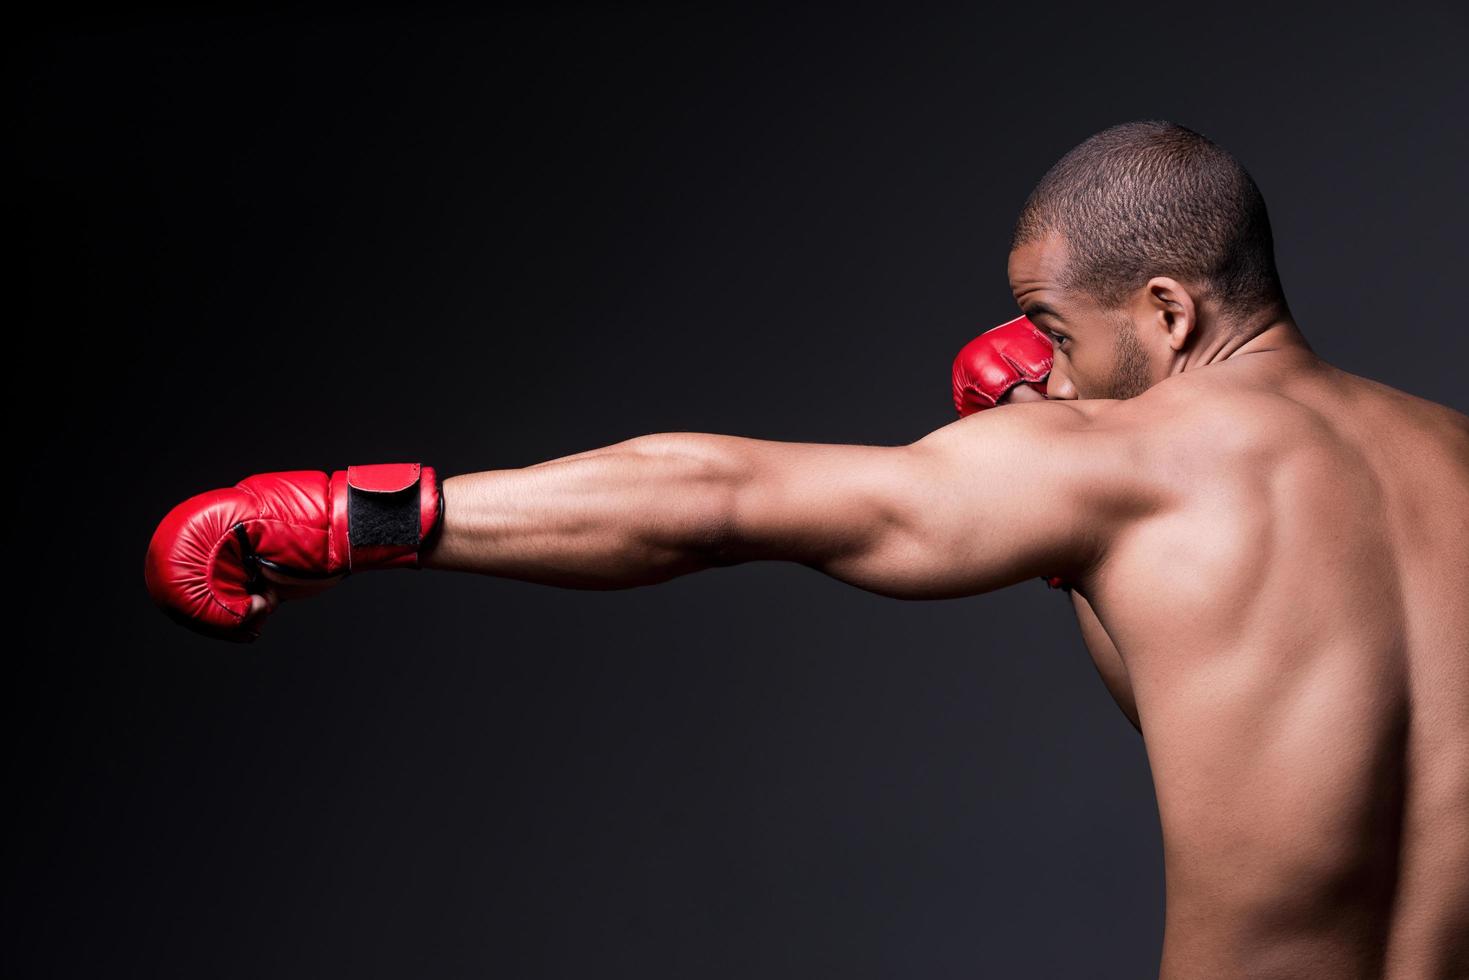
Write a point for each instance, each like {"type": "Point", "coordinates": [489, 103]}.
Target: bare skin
{"type": "Point", "coordinates": [1304, 691]}
{"type": "Point", "coordinates": [1267, 555]}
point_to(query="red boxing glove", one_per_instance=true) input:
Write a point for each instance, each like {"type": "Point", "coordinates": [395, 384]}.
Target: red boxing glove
{"type": "Point", "coordinates": [1015, 352]}
{"type": "Point", "coordinates": [996, 361]}
{"type": "Point", "coordinates": [206, 554]}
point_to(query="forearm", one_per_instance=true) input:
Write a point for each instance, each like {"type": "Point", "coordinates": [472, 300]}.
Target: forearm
{"type": "Point", "coordinates": [635, 513]}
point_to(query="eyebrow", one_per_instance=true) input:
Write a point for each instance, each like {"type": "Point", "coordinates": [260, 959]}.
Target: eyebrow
{"type": "Point", "coordinates": [1041, 309]}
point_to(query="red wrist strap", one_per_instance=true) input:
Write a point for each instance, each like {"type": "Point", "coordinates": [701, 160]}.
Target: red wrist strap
{"type": "Point", "coordinates": [383, 513]}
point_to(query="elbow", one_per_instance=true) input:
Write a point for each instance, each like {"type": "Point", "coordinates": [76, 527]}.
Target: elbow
{"type": "Point", "coordinates": [699, 501]}
{"type": "Point", "coordinates": [714, 540]}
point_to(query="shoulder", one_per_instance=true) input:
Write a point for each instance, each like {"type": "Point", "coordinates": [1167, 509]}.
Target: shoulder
{"type": "Point", "coordinates": [1098, 452]}
{"type": "Point", "coordinates": [1090, 467]}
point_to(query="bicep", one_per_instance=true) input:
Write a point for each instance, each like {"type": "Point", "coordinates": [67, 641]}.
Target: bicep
{"type": "Point", "coordinates": [982, 503]}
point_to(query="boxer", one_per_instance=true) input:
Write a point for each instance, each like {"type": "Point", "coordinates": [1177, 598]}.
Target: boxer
{"type": "Point", "coordinates": [1267, 555]}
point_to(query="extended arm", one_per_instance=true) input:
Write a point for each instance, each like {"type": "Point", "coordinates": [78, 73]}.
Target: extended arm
{"type": "Point", "coordinates": [977, 505]}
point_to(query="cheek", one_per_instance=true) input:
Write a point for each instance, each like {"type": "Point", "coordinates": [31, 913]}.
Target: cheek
{"type": "Point", "coordinates": [1095, 361]}
{"type": "Point", "coordinates": [1071, 365]}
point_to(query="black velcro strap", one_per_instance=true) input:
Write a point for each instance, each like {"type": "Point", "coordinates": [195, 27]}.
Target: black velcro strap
{"type": "Point", "coordinates": [376, 518]}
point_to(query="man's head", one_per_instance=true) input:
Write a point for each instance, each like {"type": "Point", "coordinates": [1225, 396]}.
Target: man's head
{"type": "Point", "coordinates": [1141, 244]}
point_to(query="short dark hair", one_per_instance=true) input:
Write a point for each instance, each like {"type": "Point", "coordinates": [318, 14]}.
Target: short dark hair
{"type": "Point", "coordinates": [1154, 198]}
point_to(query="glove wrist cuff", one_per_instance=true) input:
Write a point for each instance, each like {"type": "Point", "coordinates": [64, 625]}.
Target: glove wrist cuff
{"type": "Point", "coordinates": [382, 514]}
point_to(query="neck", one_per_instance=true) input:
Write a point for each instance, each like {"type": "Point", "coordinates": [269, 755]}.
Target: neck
{"type": "Point", "coordinates": [1271, 330]}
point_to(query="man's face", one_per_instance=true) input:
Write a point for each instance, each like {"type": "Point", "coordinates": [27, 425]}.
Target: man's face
{"type": "Point", "coordinates": [1098, 354]}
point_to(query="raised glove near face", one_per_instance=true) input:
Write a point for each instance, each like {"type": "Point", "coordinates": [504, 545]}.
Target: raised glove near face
{"type": "Point", "coordinates": [997, 360]}
{"type": "Point", "coordinates": [207, 553]}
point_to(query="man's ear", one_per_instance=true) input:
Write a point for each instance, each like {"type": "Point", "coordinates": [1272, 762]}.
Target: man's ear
{"type": "Point", "coordinates": [1169, 305]}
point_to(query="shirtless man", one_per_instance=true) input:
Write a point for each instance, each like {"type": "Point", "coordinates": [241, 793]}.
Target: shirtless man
{"type": "Point", "coordinates": [1267, 555]}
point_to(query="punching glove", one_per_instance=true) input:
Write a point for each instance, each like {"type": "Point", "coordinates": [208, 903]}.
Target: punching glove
{"type": "Point", "coordinates": [987, 367]}
{"type": "Point", "coordinates": [205, 558]}
{"type": "Point", "coordinates": [990, 365]}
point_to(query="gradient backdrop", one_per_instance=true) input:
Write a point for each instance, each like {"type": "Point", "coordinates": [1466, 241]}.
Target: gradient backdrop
{"type": "Point", "coordinates": [275, 241]}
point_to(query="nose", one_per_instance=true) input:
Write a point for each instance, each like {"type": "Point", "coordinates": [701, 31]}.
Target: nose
{"type": "Point", "coordinates": [1059, 384]}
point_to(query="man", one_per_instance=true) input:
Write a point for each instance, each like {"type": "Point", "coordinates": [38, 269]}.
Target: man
{"type": "Point", "coordinates": [1266, 555]}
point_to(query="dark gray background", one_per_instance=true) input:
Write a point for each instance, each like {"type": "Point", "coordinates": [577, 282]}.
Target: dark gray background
{"type": "Point", "coordinates": [276, 241]}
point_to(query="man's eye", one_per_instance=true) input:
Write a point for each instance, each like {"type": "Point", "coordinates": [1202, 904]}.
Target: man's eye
{"type": "Point", "coordinates": [1057, 339]}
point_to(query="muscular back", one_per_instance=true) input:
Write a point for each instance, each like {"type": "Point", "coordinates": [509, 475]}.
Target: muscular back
{"type": "Point", "coordinates": [1292, 628]}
